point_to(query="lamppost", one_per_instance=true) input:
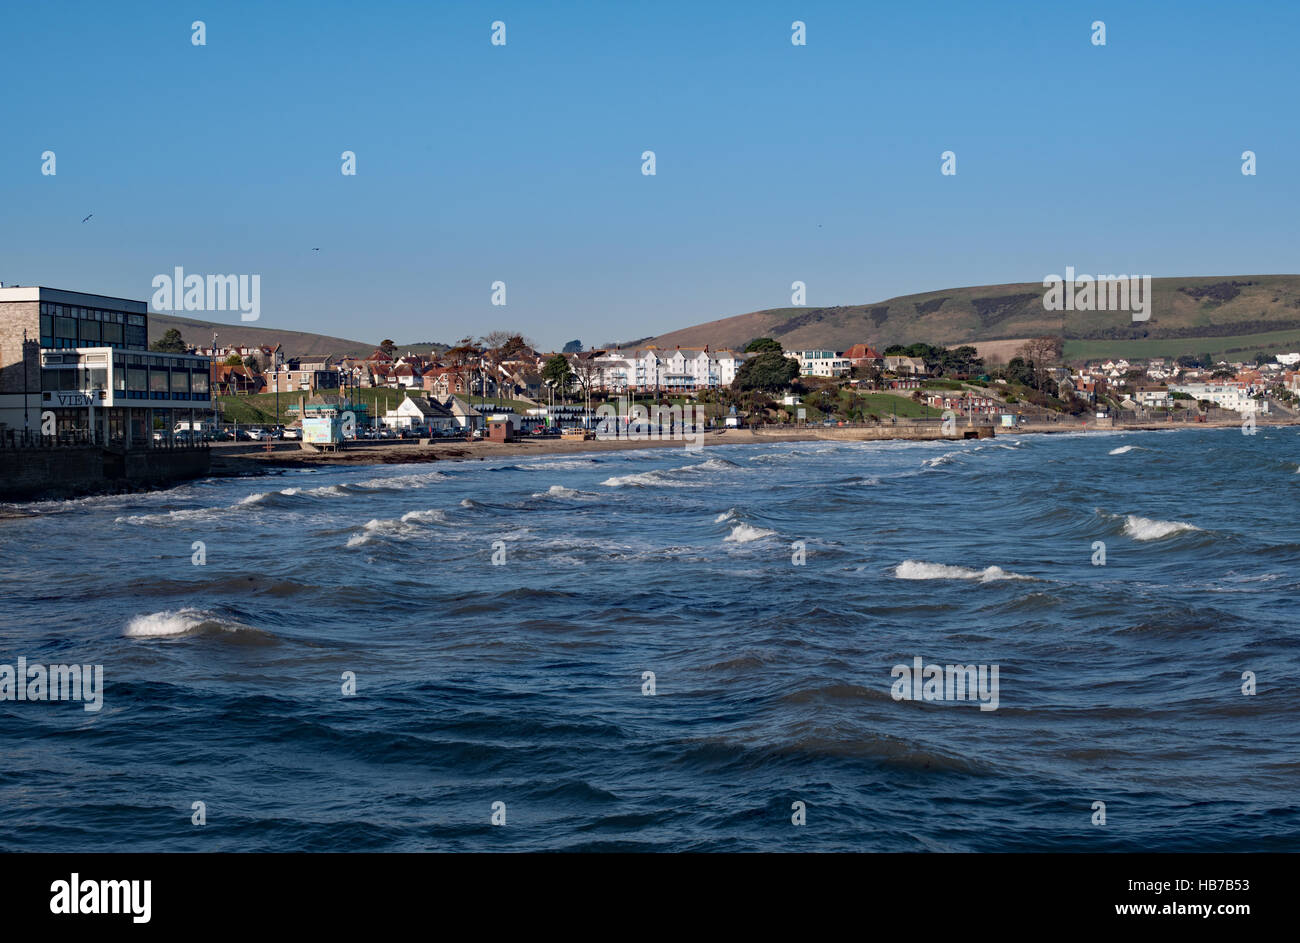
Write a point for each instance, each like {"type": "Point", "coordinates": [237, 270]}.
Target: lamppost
{"type": "Point", "coordinates": [27, 423]}
{"type": "Point", "coordinates": [212, 386]}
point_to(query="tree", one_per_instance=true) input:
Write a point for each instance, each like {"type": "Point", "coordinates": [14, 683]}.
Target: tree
{"type": "Point", "coordinates": [762, 345]}
{"type": "Point", "coordinates": [170, 343]}
{"type": "Point", "coordinates": [254, 365]}
{"type": "Point", "coordinates": [387, 346]}
{"type": "Point", "coordinates": [769, 371]}
{"type": "Point", "coordinates": [1039, 352]}
{"type": "Point", "coordinates": [586, 372]}
{"type": "Point", "coordinates": [557, 372]}
{"type": "Point", "coordinates": [573, 347]}
{"type": "Point", "coordinates": [464, 358]}
{"type": "Point", "coordinates": [234, 360]}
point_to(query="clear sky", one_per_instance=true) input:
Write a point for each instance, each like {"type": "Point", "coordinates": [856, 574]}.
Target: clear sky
{"type": "Point", "coordinates": [523, 163]}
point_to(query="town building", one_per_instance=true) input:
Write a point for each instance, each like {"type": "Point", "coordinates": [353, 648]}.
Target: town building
{"type": "Point", "coordinates": [821, 363]}
{"type": "Point", "coordinates": [83, 361]}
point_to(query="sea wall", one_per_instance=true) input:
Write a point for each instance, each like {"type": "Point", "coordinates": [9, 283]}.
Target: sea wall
{"type": "Point", "coordinates": [70, 471]}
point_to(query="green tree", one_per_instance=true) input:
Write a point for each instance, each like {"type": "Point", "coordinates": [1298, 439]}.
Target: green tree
{"type": "Point", "coordinates": [762, 345]}
{"type": "Point", "coordinates": [170, 343]}
{"type": "Point", "coordinates": [573, 347]}
{"type": "Point", "coordinates": [768, 372]}
{"type": "Point", "coordinates": [557, 372]}
{"type": "Point", "coordinates": [234, 360]}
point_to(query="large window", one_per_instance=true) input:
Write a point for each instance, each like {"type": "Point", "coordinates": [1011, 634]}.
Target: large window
{"type": "Point", "coordinates": [137, 380]}
{"type": "Point", "coordinates": [199, 382]}
{"type": "Point", "coordinates": [181, 382]}
{"type": "Point", "coordinates": [112, 333]}
{"type": "Point", "coordinates": [135, 337]}
{"type": "Point", "coordinates": [158, 383]}
{"type": "Point", "coordinates": [89, 332]}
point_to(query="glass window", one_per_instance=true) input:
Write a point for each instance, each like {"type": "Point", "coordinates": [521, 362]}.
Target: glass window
{"type": "Point", "coordinates": [180, 381]}
{"type": "Point", "coordinates": [90, 331]}
{"type": "Point", "coordinates": [137, 379]}
{"type": "Point", "coordinates": [65, 327]}
{"type": "Point", "coordinates": [47, 325]}
{"type": "Point", "coordinates": [135, 320]}
{"type": "Point", "coordinates": [95, 378]}
{"type": "Point", "coordinates": [157, 381]}
{"type": "Point", "coordinates": [112, 333]}
{"type": "Point", "coordinates": [50, 379]}
{"type": "Point", "coordinates": [68, 379]}
{"type": "Point", "coordinates": [135, 337]}
{"type": "Point", "coordinates": [200, 383]}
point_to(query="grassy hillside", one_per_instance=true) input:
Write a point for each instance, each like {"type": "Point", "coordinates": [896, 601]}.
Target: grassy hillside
{"type": "Point", "coordinates": [296, 343]}
{"type": "Point", "coordinates": [1244, 313]}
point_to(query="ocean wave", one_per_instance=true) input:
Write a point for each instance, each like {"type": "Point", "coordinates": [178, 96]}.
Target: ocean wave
{"type": "Point", "coordinates": [186, 622]}
{"type": "Point", "coordinates": [1146, 528]}
{"type": "Point", "coordinates": [560, 491]}
{"type": "Point", "coordinates": [688, 476]}
{"type": "Point", "coordinates": [941, 460]}
{"type": "Point", "coordinates": [746, 533]}
{"type": "Point", "coordinates": [727, 515]}
{"type": "Point", "coordinates": [921, 570]}
{"type": "Point", "coordinates": [402, 482]}
{"type": "Point", "coordinates": [1122, 450]}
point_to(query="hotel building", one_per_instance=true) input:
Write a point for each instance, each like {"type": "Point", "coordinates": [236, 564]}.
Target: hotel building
{"type": "Point", "coordinates": [84, 359]}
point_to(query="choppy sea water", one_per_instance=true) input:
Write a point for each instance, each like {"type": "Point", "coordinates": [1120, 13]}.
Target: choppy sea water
{"type": "Point", "coordinates": [523, 683]}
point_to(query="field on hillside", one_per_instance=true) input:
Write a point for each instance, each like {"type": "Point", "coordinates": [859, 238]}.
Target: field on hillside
{"type": "Point", "coordinates": [1237, 347]}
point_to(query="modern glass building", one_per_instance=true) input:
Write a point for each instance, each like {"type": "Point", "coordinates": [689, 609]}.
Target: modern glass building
{"type": "Point", "coordinates": [81, 363]}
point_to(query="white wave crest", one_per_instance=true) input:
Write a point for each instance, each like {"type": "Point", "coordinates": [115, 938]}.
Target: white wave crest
{"type": "Point", "coordinates": [1145, 528]}
{"type": "Point", "coordinates": [920, 570]}
{"type": "Point", "coordinates": [187, 621]}
{"type": "Point", "coordinates": [1122, 450]}
{"type": "Point", "coordinates": [745, 533]}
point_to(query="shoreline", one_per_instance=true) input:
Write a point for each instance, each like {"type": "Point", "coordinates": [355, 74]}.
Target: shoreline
{"type": "Point", "coordinates": [251, 460]}
{"type": "Point", "coordinates": [247, 460]}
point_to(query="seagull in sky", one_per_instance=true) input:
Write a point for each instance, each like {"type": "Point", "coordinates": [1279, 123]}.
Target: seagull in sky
{"type": "Point", "coordinates": [88, 217]}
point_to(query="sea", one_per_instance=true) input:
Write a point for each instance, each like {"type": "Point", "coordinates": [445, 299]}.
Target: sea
{"type": "Point", "coordinates": [667, 650]}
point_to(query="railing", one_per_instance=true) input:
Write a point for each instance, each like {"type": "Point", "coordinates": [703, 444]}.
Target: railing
{"type": "Point", "coordinates": [82, 438]}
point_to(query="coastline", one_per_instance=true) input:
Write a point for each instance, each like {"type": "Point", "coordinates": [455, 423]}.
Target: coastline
{"type": "Point", "coordinates": [243, 460]}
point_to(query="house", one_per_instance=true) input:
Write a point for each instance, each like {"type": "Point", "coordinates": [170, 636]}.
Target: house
{"type": "Point", "coordinates": [905, 366]}
{"type": "Point", "coordinates": [420, 414]}
{"type": "Point", "coordinates": [466, 417]}
{"type": "Point", "coordinates": [1152, 397]}
{"type": "Point", "coordinates": [230, 380]}
{"type": "Point", "coordinates": [863, 355]}
{"type": "Point", "coordinates": [821, 363]}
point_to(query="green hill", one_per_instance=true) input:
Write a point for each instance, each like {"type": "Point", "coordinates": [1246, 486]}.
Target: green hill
{"type": "Point", "coordinates": [296, 343]}
{"type": "Point", "coordinates": [1241, 314]}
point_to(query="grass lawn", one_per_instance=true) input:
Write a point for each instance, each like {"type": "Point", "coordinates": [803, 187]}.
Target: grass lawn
{"type": "Point", "coordinates": [887, 404]}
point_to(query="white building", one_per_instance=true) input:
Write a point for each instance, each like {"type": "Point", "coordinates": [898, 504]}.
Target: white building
{"type": "Point", "coordinates": [420, 415]}
{"type": "Point", "coordinates": [683, 369]}
{"type": "Point", "coordinates": [1233, 396]}
{"type": "Point", "coordinates": [822, 363]}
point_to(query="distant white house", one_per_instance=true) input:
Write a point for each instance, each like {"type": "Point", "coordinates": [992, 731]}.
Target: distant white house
{"type": "Point", "coordinates": [821, 363]}
{"type": "Point", "coordinates": [420, 415]}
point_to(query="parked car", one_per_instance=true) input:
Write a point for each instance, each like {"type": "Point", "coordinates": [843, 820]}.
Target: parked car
{"type": "Point", "coordinates": [292, 433]}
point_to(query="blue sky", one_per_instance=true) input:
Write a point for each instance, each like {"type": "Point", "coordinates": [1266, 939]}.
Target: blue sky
{"type": "Point", "coordinates": [522, 163]}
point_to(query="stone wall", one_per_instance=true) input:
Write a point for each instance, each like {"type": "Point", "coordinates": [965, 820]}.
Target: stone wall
{"type": "Point", "coordinates": [70, 471]}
